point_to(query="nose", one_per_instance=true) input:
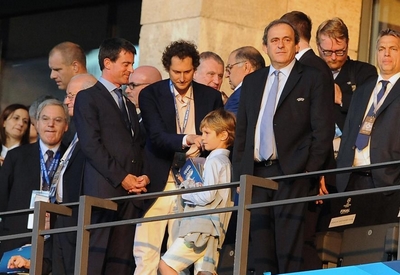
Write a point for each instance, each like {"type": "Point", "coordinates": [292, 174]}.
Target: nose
{"type": "Point", "coordinates": [52, 74]}
{"type": "Point", "coordinates": [181, 78]}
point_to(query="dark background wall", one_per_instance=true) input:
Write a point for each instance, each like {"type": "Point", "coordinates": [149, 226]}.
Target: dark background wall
{"type": "Point", "coordinates": [29, 29]}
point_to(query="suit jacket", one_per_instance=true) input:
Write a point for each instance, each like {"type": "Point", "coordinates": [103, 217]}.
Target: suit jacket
{"type": "Point", "coordinates": [110, 150]}
{"type": "Point", "coordinates": [159, 118]}
{"type": "Point", "coordinates": [73, 175]}
{"type": "Point", "coordinates": [352, 74]}
{"type": "Point", "coordinates": [19, 176]}
{"type": "Point", "coordinates": [303, 121]}
{"type": "Point", "coordinates": [232, 104]}
{"type": "Point", "coordinates": [384, 140]}
{"type": "Point", "coordinates": [309, 58]}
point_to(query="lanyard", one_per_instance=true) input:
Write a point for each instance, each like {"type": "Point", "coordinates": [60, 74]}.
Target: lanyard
{"type": "Point", "coordinates": [185, 120]}
{"type": "Point", "coordinates": [48, 174]}
{"type": "Point", "coordinates": [67, 155]}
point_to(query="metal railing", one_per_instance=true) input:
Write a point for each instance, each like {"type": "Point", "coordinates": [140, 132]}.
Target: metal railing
{"type": "Point", "coordinates": [246, 184]}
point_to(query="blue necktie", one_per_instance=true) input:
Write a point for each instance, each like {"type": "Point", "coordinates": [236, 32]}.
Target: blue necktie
{"type": "Point", "coordinates": [267, 138]}
{"type": "Point", "coordinates": [362, 140]}
{"type": "Point", "coordinates": [122, 108]}
{"type": "Point", "coordinates": [50, 157]}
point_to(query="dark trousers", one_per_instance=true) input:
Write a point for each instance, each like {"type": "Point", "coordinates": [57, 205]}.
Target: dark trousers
{"type": "Point", "coordinates": [111, 249]}
{"type": "Point", "coordinates": [277, 233]}
{"type": "Point", "coordinates": [378, 208]}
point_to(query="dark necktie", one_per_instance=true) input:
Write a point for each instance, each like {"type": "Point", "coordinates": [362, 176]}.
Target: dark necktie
{"type": "Point", "coordinates": [50, 157]}
{"type": "Point", "coordinates": [267, 138]}
{"type": "Point", "coordinates": [122, 108]}
{"type": "Point", "coordinates": [362, 140]}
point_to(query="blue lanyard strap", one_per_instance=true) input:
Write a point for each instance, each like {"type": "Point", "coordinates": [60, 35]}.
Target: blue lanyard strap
{"type": "Point", "coordinates": [48, 174]}
{"type": "Point", "coordinates": [185, 120]}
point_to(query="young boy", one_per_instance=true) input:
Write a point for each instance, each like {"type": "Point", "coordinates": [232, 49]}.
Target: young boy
{"type": "Point", "coordinates": [200, 237]}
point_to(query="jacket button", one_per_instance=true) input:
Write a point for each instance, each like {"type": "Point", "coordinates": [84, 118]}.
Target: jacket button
{"type": "Point", "coordinates": [133, 161]}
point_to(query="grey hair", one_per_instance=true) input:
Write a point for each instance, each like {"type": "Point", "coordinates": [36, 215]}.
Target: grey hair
{"type": "Point", "coordinates": [52, 102]}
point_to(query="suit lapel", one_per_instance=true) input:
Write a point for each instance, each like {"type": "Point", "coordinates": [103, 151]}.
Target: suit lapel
{"type": "Point", "coordinates": [293, 78]}
{"type": "Point", "coordinates": [364, 101]}
{"type": "Point", "coordinates": [167, 106]}
{"type": "Point", "coordinates": [394, 93]}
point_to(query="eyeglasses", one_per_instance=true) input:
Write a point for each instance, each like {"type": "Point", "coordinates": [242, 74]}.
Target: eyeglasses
{"type": "Point", "coordinates": [70, 96]}
{"type": "Point", "coordinates": [229, 67]}
{"type": "Point", "coordinates": [133, 85]}
{"type": "Point", "coordinates": [337, 52]}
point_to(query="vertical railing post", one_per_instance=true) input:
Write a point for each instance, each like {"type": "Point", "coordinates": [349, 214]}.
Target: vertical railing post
{"type": "Point", "coordinates": [247, 183]}
{"type": "Point", "coordinates": [39, 222]}
{"type": "Point", "coordinates": [242, 227]}
{"type": "Point", "coordinates": [83, 235]}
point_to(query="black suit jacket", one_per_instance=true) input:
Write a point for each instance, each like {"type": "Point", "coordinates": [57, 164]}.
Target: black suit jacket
{"type": "Point", "coordinates": [19, 176]}
{"type": "Point", "coordinates": [110, 150]}
{"type": "Point", "coordinates": [309, 58]}
{"type": "Point", "coordinates": [384, 140]}
{"type": "Point", "coordinates": [303, 121]}
{"type": "Point", "coordinates": [159, 118]}
{"type": "Point", "coordinates": [73, 175]}
{"type": "Point", "coordinates": [352, 74]}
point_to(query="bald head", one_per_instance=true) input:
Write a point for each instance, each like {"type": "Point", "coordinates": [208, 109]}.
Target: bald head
{"type": "Point", "coordinates": [77, 83]}
{"type": "Point", "coordinates": [139, 79]}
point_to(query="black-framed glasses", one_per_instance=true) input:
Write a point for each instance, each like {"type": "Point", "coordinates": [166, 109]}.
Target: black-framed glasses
{"type": "Point", "coordinates": [133, 85]}
{"type": "Point", "coordinates": [337, 52]}
{"type": "Point", "coordinates": [229, 67]}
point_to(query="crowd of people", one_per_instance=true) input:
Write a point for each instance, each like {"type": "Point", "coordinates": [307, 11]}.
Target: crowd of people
{"type": "Point", "coordinates": [128, 131]}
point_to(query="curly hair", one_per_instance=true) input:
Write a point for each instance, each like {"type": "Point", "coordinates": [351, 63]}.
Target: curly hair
{"type": "Point", "coordinates": [181, 49]}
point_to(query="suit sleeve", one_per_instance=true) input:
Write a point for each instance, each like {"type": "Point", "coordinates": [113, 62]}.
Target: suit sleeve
{"type": "Point", "coordinates": [322, 124]}
{"type": "Point", "coordinates": [86, 118]}
{"type": "Point", "coordinates": [240, 136]}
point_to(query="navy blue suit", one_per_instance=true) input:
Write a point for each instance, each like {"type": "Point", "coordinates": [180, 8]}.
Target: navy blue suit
{"type": "Point", "coordinates": [353, 73]}
{"type": "Point", "coordinates": [384, 147]}
{"type": "Point", "coordinates": [232, 104]}
{"type": "Point", "coordinates": [304, 129]}
{"type": "Point", "coordinates": [111, 154]}
{"type": "Point", "coordinates": [19, 176]}
{"type": "Point", "coordinates": [159, 118]}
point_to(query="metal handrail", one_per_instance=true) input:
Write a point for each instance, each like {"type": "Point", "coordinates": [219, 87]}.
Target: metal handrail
{"type": "Point", "coordinates": [246, 184]}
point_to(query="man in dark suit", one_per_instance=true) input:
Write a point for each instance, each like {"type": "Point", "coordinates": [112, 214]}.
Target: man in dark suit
{"type": "Point", "coordinates": [241, 62]}
{"type": "Point", "coordinates": [333, 46]}
{"type": "Point", "coordinates": [172, 110]}
{"type": "Point", "coordinates": [109, 134]}
{"type": "Point", "coordinates": [68, 185]}
{"type": "Point", "coordinates": [306, 56]}
{"type": "Point", "coordinates": [300, 140]}
{"type": "Point", "coordinates": [25, 170]}
{"type": "Point", "coordinates": [371, 132]}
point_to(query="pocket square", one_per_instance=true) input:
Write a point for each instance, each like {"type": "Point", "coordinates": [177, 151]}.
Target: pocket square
{"type": "Point", "coordinates": [300, 99]}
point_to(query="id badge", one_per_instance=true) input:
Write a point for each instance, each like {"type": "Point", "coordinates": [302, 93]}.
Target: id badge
{"type": "Point", "coordinates": [367, 125]}
{"type": "Point", "coordinates": [37, 195]}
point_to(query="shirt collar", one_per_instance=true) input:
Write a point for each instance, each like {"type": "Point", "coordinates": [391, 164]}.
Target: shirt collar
{"type": "Point", "coordinates": [44, 148]}
{"type": "Point", "coordinates": [109, 86]}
